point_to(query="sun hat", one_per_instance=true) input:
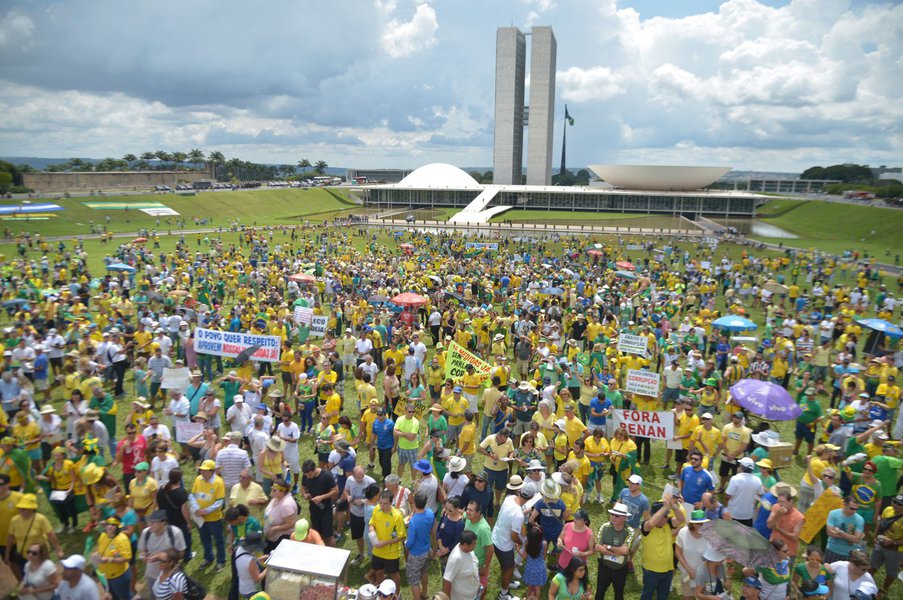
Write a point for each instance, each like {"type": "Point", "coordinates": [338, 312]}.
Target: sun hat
{"type": "Point", "coordinates": [47, 410]}
{"type": "Point", "coordinates": [713, 555]}
{"type": "Point", "coordinates": [208, 465]}
{"type": "Point", "coordinates": [550, 489]}
{"type": "Point", "coordinates": [536, 465]}
{"type": "Point", "coordinates": [28, 502]}
{"type": "Point", "coordinates": [91, 415]}
{"type": "Point", "coordinates": [620, 510]}
{"type": "Point", "coordinates": [515, 483]}
{"type": "Point", "coordinates": [523, 385]}
{"type": "Point", "coordinates": [92, 473]}
{"type": "Point", "coordinates": [275, 444]}
{"type": "Point", "coordinates": [781, 486]}
{"type": "Point", "coordinates": [436, 408]}
{"type": "Point", "coordinates": [424, 466]}
{"type": "Point", "coordinates": [698, 517]}
{"type": "Point", "coordinates": [76, 561]}
{"type": "Point", "coordinates": [560, 424]}
{"type": "Point", "coordinates": [158, 515]}
{"type": "Point", "coordinates": [342, 445]}
{"type": "Point", "coordinates": [765, 463]}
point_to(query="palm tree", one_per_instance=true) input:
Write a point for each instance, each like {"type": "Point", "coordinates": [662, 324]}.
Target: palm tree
{"type": "Point", "coordinates": [217, 158]}
{"type": "Point", "coordinates": [303, 164]}
{"type": "Point", "coordinates": [148, 156]}
{"type": "Point", "coordinates": [320, 167]}
{"type": "Point", "coordinates": [179, 158]}
{"type": "Point", "coordinates": [195, 157]}
{"type": "Point", "coordinates": [130, 158]}
{"type": "Point", "coordinates": [164, 157]}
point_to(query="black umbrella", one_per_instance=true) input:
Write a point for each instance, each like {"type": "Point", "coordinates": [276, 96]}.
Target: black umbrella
{"type": "Point", "coordinates": [246, 354]}
{"type": "Point", "coordinates": [457, 297]}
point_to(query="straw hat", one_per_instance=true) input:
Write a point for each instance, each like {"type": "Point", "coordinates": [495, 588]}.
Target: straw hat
{"type": "Point", "coordinates": [456, 464]}
{"type": "Point", "coordinates": [550, 489]}
{"type": "Point", "coordinates": [778, 487]}
{"type": "Point", "coordinates": [275, 444]}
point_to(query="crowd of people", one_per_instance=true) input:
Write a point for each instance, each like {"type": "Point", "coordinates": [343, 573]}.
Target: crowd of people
{"type": "Point", "coordinates": [359, 439]}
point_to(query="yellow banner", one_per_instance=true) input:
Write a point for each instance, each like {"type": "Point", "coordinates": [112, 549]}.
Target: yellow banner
{"type": "Point", "coordinates": [457, 360]}
{"type": "Point", "coordinates": [817, 515]}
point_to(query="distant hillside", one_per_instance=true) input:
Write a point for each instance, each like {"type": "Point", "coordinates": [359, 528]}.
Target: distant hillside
{"type": "Point", "coordinates": [40, 164]}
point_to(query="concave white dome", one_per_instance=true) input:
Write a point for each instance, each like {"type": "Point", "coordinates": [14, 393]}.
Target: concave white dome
{"type": "Point", "coordinates": [439, 175]}
{"type": "Point", "coordinates": [650, 177]}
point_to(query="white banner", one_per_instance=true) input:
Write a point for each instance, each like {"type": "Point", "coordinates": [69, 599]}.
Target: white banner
{"type": "Point", "coordinates": [229, 344]}
{"type": "Point", "coordinates": [636, 247]}
{"type": "Point", "coordinates": [176, 379]}
{"type": "Point", "coordinates": [481, 246]}
{"type": "Point", "coordinates": [159, 212]}
{"type": "Point", "coordinates": [303, 315]}
{"type": "Point", "coordinates": [318, 325]}
{"type": "Point", "coordinates": [642, 382]}
{"type": "Point", "coordinates": [186, 431]}
{"type": "Point", "coordinates": [657, 425]}
{"type": "Point", "coordinates": [632, 344]}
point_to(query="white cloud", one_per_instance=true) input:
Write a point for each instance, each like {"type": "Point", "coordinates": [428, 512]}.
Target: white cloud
{"type": "Point", "coordinates": [403, 38]}
{"type": "Point", "coordinates": [16, 30]}
{"type": "Point", "coordinates": [593, 84]}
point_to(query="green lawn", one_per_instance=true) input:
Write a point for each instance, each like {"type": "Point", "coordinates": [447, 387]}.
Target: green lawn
{"type": "Point", "coordinates": [836, 227]}
{"type": "Point", "coordinates": [261, 207]}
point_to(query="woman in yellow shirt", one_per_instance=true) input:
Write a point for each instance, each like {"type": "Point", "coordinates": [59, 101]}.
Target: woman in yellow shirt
{"type": "Point", "coordinates": [112, 556]}
{"type": "Point", "coordinates": [60, 474]}
{"type": "Point", "coordinates": [816, 465]}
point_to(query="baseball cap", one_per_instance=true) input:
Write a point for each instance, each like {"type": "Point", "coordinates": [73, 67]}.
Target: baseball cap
{"type": "Point", "coordinates": [387, 587]}
{"type": "Point", "coordinates": [747, 463]}
{"type": "Point", "coordinates": [635, 479]}
{"type": "Point", "coordinates": [76, 561]}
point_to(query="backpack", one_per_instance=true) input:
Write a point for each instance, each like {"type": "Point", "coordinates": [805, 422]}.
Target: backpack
{"type": "Point", "coordinates": [172, 536]}
{"type": "Point", "coordinates": [194, 590]}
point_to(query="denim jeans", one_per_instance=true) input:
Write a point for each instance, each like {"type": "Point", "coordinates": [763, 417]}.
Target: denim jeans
{"type": "Point", "coordinates": [120, 587]}
{"type": "Point", "coordinates": [213, 532]}
{"type": "Point", "coordinates": [656, 585]}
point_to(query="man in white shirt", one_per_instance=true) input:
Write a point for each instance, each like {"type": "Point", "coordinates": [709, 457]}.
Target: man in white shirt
{"type": "Point", "coordinates": [239, 414]}
{"type": "Point", "coordinates": [178, 410]}
{"type": "Point", "coordinates": [743, 491]}
{"type": "Point", "coordinates": [370, 367]}
{"type": "Point", "coordinates": [164, 342]}
{"type": "Point", "coordinates": [419, 349]}
{"type": "Point", "coordinates": [155, 428]}
{"type": "Point", "coordinates": [74, 584]}
{"type": "Point", "coordinates": [232, 460]}
{"type": "Point", "coordinates": [55, 343]}
{"type": "Point", "coordinates": [289, 432]}
{"type": "Point", "coordinates": [363, 347]}
{"type": "Point", "coordinates": [671, 375]}
{"type": "Point", "coordinates": [257, 440]}
{"type": "Point", "coordinates": [506, 534]}
{"type": "Point", "coordinates": [158, 536]}
{"type": "Point", "coordinates": [461, 580]}
{"type": "Point", "coordinates": [119, 362]}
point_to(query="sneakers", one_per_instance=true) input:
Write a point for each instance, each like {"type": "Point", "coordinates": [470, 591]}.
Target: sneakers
{"type": "Point", "coordinates": [340, 538]}
{"type": "Point", "coordinates": [357, 559]}
{"type": "Point", "coordinates": [370, 466]}
{"type": "Point", "coordinates": [220, 567]}
{"type": "Point", "coordinates": [206, 565]}
{"type": "Point", "coordinates": [514, 584]}
{"type": "Point", "coordinates": [599, 498]}
{"type": "Point", "coordinates": [666, 467]}
{"type": "Point", "coordinates": [502, 596]}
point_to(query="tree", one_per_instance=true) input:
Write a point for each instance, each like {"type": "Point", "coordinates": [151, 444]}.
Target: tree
{"type": "Point", "coordinates": [845, 173]}
{"type": "Point", "coordinates": [303, 164]}
{"type": "Point", "coordinates": [130, 158]}
{"type": "Point", "coordinates": [6, 180]}
{"type": "Point", "coordinates": [164, 157]}
{"type": "Point", "coordinates": [195, 157]}
{"type": "Point", "coordinates": [148, 156]}
{"type": "Point", "coordinates": [179, 158]}
{"type": "Point", "coordinates": [320, 167]}
{"type": "Point", "coordinates": [218, 159]}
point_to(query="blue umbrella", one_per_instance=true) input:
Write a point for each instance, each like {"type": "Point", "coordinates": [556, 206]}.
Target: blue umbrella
{"type": "Point", "coordinates": [625, 274]}
{"type": "Point", "coordinates": [120, 267]}
{"type": "Point", "coordinates": [883, 326]}
{"type": "Point", "coordinates": [766, 399]}
{"type": "Point", "coordinates": [734, 323]}
{"type": "Point", "coordinates": [552, 291]}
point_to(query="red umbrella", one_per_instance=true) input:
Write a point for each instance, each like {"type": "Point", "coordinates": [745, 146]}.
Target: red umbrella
{"type": "Point", "coordinates": [594, 253]}
{"type": "Point", "coordinates": [409, 299]}
{"type": "Point", "coordinates": [139, 240]}
{"type": "Point", "coordinates": [406, 246]}
{"type": "Point", "coordinates": [303, 278]}
{"type": "Point", "coordinates": [625, 265]}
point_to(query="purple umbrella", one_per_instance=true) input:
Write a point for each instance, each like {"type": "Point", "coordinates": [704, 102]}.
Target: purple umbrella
{"type": "Point", "coordinates": [765, 399]}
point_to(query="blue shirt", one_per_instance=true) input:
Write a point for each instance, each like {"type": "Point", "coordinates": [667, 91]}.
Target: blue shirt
{"type": "Point", "coordinates": [449, 532]}
{"type": "Point", "coordinates": [550, 518]}
{"type": "Point", "coordinates": [40, 366]}
{"type": "Point", "coordinates": [853, 524]}
{"type": "Point", "coordinates": [419, 531]}
{"type": "Point", "coordinates": [695, 484]}
{"type": "Point", "coordinates": [596, 405]}
{"type": "Point", "coordinates": [636, 506]}
{"type": "Point", "coordinates": [383, 432]}
{"type": "Point", "coordinates": [762, 514]}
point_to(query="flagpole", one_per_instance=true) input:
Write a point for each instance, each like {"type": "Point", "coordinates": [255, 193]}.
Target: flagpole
{"type": "Point", "coordinates": [564, 137]}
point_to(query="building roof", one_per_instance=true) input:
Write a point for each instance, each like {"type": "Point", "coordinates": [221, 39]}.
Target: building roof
{"type": "Point", "coordinates": [439, 176]}
{"type": "Point", "coordinates": [648, 177]}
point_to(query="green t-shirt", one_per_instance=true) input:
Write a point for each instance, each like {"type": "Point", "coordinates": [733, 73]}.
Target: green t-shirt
{"type": "Point", "coordinates": [866, 494]}
{"type": "Point", "coordinates": [822, 577]}
{"type": "Point", "coordinates": [887, 472]}
{"type": "Point", "coordinates": [406, 425]}
{"type": "Point", "coordinates": [609, 536]}
{"type": "Point", "coordinates": [811, 410]}
{"type": "Point", "coordinates": [484, 537]}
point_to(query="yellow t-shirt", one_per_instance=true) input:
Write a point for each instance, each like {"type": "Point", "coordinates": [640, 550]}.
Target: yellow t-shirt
{"type": "Point", "coordinates": [466, 439]}
{"type": "Point", "coordinates": [115, 547]}
{"type": "Point", "coordinates": [594, 447]}
{"type": "Point", "coordinates": [8, 510]}
{"type": "Point", "coordinates": [333, 405]}
{"type": "Point", "coordinates": [735, 437]}
{"type": "Point", "coordinates": [560, 446]}
{"type": "Point", "coordinates": [61, 479]}
{"type": "Point", "coordinates": [574, 429]}
{"type": "Point", "coordinates": [687, 424]}
{"type": "Point", "coordinates": [711, 438]}
{"type": "Point", "coordinates": [471, 383]}
{"type": "Point", "coordinates": [143, 496]}
{"type": "Point", "coordinates": [500, 450]}
{"type": "Point", "coordinates": [385, 525]}
{"type": "Point", "coordinates": [456, 409]}
{"type": "Point", "coordinates": [583, 472]}
{"type": "Point", "coordinates": [208, 492]}
{"type": "Point", "coordinates": [37, 529]}
{"type": "Point", "coordinates": [29, 431]}
{"type": "Point", "coordinates": [367, 419]}
{"type": "Point", "coordinates": [818, 466]}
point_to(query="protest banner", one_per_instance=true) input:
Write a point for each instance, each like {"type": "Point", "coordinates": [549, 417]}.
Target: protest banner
{"type": "Point", "coordinates": [642, 382]}
{"type": "Point", "coordinates": [636, 247]}
{"type": "Point", "coordinates": [318, 326]}
{"type": "Point", "coordinates": [186, 431]}
{"type": "Point", "coordinates": [303, 315]}
{"type": "Point", "coordinates": [632, 344]}
{"type": "Point", "coordinates": [658, 425]}
{"type": "Point", "coordinates": [817, 514]}
{"type": "Point", "coordinates": [231, 344]}
{"type": "Point", "coordinates": [176, 379]}
{"type": "Point", "coordinates": [457, 360]}
{"type": "Point", "coordinates": [481, 246]}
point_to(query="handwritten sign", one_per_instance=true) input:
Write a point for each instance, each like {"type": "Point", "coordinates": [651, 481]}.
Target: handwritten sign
{"type": "Point", "coordinates": [457, 360]}
{"type": "Point", "coordinates": [657, 425]}
{"type": "Point", "coordinates": [231, 344]}
{"type": "Point", "coordinates": [303, 315]}
{"type": "Point", "coordinates": [642, 382]}
{"type": "Point", "coordinates": [817, 514]}
{"type": "Point", "coordinates": [186, 431]}
{"type": "Point", "coordinates": [629, 343]}
{"type": "Point", "coordinates": [318, 325]}
{"type": "Point", "coordinates": [176, 379]}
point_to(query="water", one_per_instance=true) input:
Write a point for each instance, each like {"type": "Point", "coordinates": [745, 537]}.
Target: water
{"type": "Point", "coordinates": [759, 228]}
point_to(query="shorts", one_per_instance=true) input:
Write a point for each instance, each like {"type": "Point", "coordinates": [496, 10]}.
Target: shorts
{"type": "Point", "coordinates": [41, 384]}
{"type": "Point", "coordinates": [407, 457]}
{"type": "Point", "coordinates": [472, 400]}
{"type": "Point", "coordinates": [342, 506]}
{"type": "Point", "coordinates": [670, 395]}
{"type": "Point", "coordinates": [889, 558]}
{"type": "Point", "coordinates": [389, 566]}
{"type": "Point", "coordinates": [323, 457]}
{"type": "Point", "coordinates": [803, 432]}
{"type": "Point", "coordinates": [506, 557]}
{"type": "Point", "coordinates": [498, 479]}
{"type": "Point", "coordinates": [286, 377]}
{"type": "Point", "coordinates": [520, 427]}
{"type": "Point", "coordinates": [357, 527]}
{"type": "Point", "coordinates": [453, 432]}
{"type": "Point", "coordinates": [416, 567]}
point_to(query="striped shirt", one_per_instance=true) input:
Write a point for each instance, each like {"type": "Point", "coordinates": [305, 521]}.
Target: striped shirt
{"type": "Point", "coordinates": [164, 589]}
{"type": "Point", "coordinates": [230, 461]}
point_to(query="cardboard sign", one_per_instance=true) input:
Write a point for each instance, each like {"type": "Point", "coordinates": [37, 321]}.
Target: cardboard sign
{"type": "Point", "coordinates": [318, 326]}
{"type": "Point", "coordinates": [303, 315]}
{"type": "Point", "coordinates": [658, 425]}
{"type": "Point", "coordinates": [186, 431]}
{"type": "Point", "coordinates": [643, 382]}
{"type": "Point", "coordinates": [632, 344]}
{"type": "Point", "coordinates": [457, 360]}
{"type": "Point", "coordinates": [817, 514]}
{"type": "Point", "coordinates": [176, 379]}
{"type": "Point", "coordinates": [230, 345]}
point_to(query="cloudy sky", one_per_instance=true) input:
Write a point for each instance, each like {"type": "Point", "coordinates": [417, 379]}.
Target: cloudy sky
{"type": "Point", "coordinates": [754, 84]}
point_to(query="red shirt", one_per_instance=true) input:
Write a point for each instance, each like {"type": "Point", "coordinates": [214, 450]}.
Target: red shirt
{"type": "Point", "coordinates": [135, 453]}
